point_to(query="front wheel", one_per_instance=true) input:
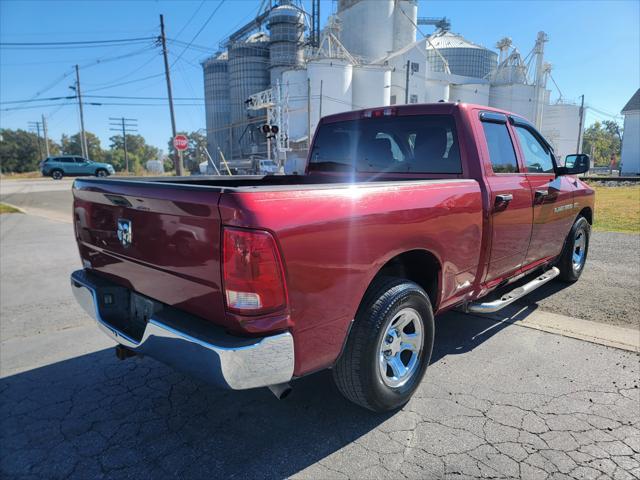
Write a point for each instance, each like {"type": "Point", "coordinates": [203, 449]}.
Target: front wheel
{"type": "Point", "coordinates": [101, 173]}
{"type": "Point", "coordinates": [574, 255]}
{"type": "Point", "coordinates": [389, 346]}
{"type": "Point", "coordinates": [57, 174]}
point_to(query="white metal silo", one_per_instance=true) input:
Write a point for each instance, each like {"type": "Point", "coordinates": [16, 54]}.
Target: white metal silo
{"type": "Point", "coordinates": [405, 19]}
{"type": "Point", "coordinates": [436, 90]}
{"type": "Point", "coordinates": [331, 83]}
{"type": "Point", "coordinates": [371, 86]}
{"type": "Point", "coordinates": [470, 93]}
{"type": "Point", "coordinates": [294, 88]}
{"type": "Point", "coordinates": [286, 27]}
{"type": "Point", "coordinates": [367, 27]}
{"type": "Point", "coordinates": [217, 105]}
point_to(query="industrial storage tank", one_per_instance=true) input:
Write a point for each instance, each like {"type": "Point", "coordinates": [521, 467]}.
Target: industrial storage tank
{"type": "Point", "coordinates": [371, 86]}
{"type": "Point", "coordinates": [331, 83]}
{"type": "Point", "coordinates": [405, 19]}
{"type": "Point", "coordinates": [294, 88]}
{"type": "Point", "coordinates": [248, 74]}
{"type": "Point", "coordinates": [463, 57]}
{"type": "Point", "coordinates": [470, 93]}
{"type": "Point", "coordinates": [286, 27]}
{"type": "Point", "coordinates": [367, 27]}
{"type": "Point", "coordinates": [216, 103]}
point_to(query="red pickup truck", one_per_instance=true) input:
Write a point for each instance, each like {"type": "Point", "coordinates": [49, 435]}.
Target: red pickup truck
{"type": "Point", "coordinates": [404, 212]}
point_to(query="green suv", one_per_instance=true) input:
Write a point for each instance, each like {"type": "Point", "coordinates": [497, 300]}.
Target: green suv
{"type": "Point", "coordinates": [70, 165]}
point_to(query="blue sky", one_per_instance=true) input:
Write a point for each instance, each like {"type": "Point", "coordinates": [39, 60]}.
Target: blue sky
{"type": "Point", "coordinates": [593, 45]}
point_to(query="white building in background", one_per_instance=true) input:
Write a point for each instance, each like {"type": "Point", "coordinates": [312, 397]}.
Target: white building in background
{"type": "Point", "coordinates": [630, 158]}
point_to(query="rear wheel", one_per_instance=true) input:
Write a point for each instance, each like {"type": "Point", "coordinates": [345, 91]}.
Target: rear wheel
{"type": "Point", "coordinates": [574, 254]}
{"type": "Point", "coordinates": [101, 172]}
{"type": "Point", "coordinates": [57, 174]}
{"type": "Point", "coordinates": [389, 346]}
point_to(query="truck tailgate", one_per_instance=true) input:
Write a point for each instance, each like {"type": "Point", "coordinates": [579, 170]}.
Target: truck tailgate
{"type": "Point", "coordinates": [159, 239]}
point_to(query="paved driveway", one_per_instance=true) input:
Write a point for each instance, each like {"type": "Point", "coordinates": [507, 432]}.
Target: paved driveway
{"type": "Point", "coordinates": [499, 400]}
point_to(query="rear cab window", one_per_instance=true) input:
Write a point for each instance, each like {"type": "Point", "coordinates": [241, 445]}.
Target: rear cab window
{"type": "Point", "coordinates": [396, 144]}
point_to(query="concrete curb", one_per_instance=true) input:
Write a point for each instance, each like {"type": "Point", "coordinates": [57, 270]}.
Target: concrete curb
{"type": "Point", "coordinates": [599, 333]}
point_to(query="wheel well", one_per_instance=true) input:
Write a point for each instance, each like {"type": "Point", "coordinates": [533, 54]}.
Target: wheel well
{"type": "Point", "coordinates": [588, 214]}
{"type": "Point", "coordinates": [419, 266]}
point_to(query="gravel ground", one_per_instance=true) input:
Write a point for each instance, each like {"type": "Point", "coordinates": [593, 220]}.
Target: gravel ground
{"type": "Point", "coordinates": [608, 290]}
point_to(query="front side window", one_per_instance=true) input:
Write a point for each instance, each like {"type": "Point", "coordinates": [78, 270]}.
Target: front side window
{"type": "Point", "coordinates": [66, 159]}
{"type": "Point", "coordinates": [501, 152]}
{"type": "Point", "coordinates": [405, 144]}
{"type": "Point", "coordinates": [537, 156]}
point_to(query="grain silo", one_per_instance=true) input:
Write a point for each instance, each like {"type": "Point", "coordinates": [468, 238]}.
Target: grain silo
{"type": "Point", "coordinates": [463, 57]}
{"type": "Point", "coordinates": [286, 27]}
{"type": "Point", "coordinates": [248, 74]}
{"type": "Point", "coordinates": [217, 105]}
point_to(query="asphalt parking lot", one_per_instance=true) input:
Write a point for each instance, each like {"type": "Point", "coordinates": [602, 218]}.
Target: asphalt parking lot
{"type": "Point", "coordinates": [499, 400]}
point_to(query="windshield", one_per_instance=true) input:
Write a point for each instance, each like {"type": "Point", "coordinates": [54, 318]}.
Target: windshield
{"type": "Point", "coordinates": [409, 144]}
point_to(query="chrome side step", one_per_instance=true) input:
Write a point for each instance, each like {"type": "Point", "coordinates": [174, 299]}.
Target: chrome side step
{"type": "Point", "coordinates": [513, 295]}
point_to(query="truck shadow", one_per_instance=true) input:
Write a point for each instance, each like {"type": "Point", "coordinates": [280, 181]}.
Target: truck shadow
{"type": "Point", "coordinates": [93, 415]}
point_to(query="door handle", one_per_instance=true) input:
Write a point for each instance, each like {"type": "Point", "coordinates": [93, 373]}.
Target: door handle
{"type": "Point", "coordinates": [503, 198]}
{"type": "Point", "coordinates": [541, 193]}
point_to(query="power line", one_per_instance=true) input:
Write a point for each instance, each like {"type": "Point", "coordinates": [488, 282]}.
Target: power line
{"type": "Point", "coordinates": [126, 83]}
{"type": "Point", "coordinates": [79, 42]}
{"type": "Point", "coordinates": [215, 10]}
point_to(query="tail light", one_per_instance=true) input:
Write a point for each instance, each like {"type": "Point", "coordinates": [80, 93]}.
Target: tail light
{"type": "Point", "coordinates": [252, 272]}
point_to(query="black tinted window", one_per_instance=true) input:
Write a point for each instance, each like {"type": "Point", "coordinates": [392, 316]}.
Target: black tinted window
{"type": "Point", "coordinates": [411, 144]}
{"type": "Point", "coordinates": [66, 159]}
{"type": "Point", "coordinates": [501, 152]}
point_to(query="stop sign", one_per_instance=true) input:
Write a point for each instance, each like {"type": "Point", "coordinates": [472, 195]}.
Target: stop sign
{"type": "Point", "coordinates": [181, 142]}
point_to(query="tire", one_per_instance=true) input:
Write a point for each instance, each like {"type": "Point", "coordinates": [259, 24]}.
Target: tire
{"type": "Point", "coordinates": [574, 254]}
{"type": "Point", "coordinates": [363, 373]}
{"type": "Point", "coordinates": [101, 172]}
{"type": "Point", "coordinates": [57, 174]}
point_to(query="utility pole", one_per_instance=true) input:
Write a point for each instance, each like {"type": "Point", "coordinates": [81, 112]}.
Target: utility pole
{"type": "Point", "coordinates": [406, 83]}
{"type": "Point", "coordinates": [46, 137]}
{"type": "Point", "coordinates": [126, 128]}
{"type": "Point", "coordinates": [36, 126]}
{"type": "Point", "coordinates": [178, 161]}
{"type": "Point", "coordinates": [580, 123]}
{"type": "Point", "coordinates": [83, 137]}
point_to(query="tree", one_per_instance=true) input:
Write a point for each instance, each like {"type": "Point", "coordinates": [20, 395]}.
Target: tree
{"type": "Point", "coordinates": [195, 154]}
{"type": "Point", "coordinates": [71, 145]}
{"type": "Point", "coordinates": [138, 150]}
{"type": "Point", "coordinates": [603, 139]}
{"type": "Point", "coordinates": [19, 151]}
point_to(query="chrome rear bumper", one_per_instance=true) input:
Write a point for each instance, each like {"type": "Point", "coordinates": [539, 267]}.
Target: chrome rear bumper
{"type": "Point", "coordinates": [190, 344]}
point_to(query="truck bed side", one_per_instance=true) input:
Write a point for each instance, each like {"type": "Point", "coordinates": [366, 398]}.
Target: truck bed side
{"type": "Point", "coordinates": [334, 240]}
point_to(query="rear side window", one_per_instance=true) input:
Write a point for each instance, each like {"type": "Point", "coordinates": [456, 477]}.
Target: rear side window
{"type": "Point", "coordinates": [405, 144]}
{"type": "Point", "coordinates": [501, 152]}
{"type": "Point", "coordinates": [537, 156]}
{"type": "Point", "coordinates": [66, 159]}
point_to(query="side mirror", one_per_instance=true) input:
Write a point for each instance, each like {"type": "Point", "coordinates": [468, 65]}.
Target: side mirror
{"type": "Point", "coordinates": [575, 164]}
